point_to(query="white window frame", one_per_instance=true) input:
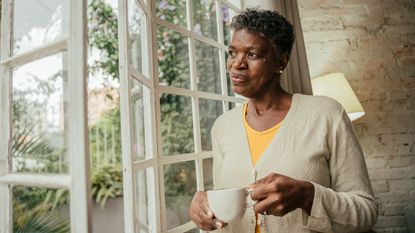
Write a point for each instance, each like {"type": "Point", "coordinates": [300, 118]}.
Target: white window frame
{"type": "Point", "coordinates": [130, 166]}
{"type": "Point", "coordinates": [77, 181]}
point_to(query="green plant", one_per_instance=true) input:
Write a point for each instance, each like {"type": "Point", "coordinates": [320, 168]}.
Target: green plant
{"type": "Point", "coordinates": [106, 182]}
{"type": "Point", "coordinates": [103, 36]}
{"type": "Point", "coordinates": [110, 121]}
{"type": "Point", "coordinates": [38, 219]}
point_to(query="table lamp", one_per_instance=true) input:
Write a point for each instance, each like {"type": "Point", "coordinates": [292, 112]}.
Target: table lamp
{"type": "Point", "coordinates": [335, 86]}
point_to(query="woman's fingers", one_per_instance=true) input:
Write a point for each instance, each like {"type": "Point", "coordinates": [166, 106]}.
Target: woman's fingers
{"type": "Point", "coordinates": [273, 204]}
{"type": "Point", "coordinates": [201, 214]}
{"type": "Point", "coordinates": [259, 193]}
{"type": "Point", "coordinates": [264, 189]}
{"type": "Point", "coordinates": [277, 194]}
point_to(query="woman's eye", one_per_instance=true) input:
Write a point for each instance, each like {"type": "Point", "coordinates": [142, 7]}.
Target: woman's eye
{"type": "Point", "coordinates": [231, 53]}
{"type": "Point", "coordinates": [252, 56]}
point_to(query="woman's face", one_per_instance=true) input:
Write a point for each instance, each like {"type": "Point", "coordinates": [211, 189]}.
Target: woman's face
{"type": "Point", "coordinates": [251, 63]}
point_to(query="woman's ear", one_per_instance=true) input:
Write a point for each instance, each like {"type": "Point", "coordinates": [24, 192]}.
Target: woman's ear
{"type": "Point", "coordinates": [284, 61]}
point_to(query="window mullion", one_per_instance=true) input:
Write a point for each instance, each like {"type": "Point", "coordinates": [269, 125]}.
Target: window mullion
{"type": "Point", "coordinates": [126, 114]}
{"type": "Point", "coordinates": [231, 5]}
{"type": "Point", "coordinates": [36, 53]}
{"type": "Point", "coordinates": [37, 180]}
{"type": "Point", "coordinates": [155, 114]}
{"type": "Point", "coordinates": [189, 33]}
{"type": "Point", "coordinates": [78, 148]}
{"type": "Point", "coordinates": [222, 60]}
{"type": "Point", "coordinates": [195, 100]}
{"type": "Point", "coordinates": [5, 123]}
{"type": "Point", "coordinates": [183, 228]}
{"type": "Point", "coordinates": [186, 157]}
{"type": "Point", "coordinates": [219, 20]}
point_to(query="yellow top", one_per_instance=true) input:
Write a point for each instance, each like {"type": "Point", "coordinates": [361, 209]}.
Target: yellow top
{"type": "Point", "coordinates": [258, 141]}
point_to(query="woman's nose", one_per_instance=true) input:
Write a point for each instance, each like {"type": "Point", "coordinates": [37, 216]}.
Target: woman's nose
{"type": "Point", "coordinates": [239, 62]}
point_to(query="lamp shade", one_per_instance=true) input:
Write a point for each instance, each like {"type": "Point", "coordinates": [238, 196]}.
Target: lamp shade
{"type": "Point", "coordinates": [335, 86]}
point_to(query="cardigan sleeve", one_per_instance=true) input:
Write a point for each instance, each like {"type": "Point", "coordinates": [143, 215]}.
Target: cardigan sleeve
{"type": "Point", "coordinates": [217, 167]}
{"type": "Point", "coordinates": [348, 205]}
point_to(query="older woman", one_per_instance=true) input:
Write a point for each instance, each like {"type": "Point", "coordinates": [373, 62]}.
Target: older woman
{"type": "Point", "coordinates": [299, 153]}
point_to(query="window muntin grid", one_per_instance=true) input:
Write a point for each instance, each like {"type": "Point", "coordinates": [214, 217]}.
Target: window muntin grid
{"type": "Point", "coordinates": [183, 83]}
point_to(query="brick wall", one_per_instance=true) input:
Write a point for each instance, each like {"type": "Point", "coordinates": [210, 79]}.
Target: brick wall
{"type": "Point", "coordinates": [373, 43]}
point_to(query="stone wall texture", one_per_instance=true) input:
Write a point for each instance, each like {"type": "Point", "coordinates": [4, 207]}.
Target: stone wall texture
{"type": "Point", "coordinates": [373, 43]}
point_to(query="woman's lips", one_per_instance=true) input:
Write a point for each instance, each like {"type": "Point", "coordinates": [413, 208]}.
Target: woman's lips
{"type": "Point", "coordinates": [238, 79]}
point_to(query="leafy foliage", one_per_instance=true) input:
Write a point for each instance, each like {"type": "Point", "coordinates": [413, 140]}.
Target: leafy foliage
{"type": "Point", "coordinates": [38, 220]}
{"type": "Point", "coordinates": [172, 10]}
{"type": "Point", "coordinates": [103, 36]}
{"type": "Point", "coordinates": [179, 180]}
{"type": "Point", "coordinates": [107, 182]}
{"type": "Point", "coordinates": [32, 144]}
{"type": "Point", "coordinates": [110, 121]}
{"type": "Point", "coordinates": [38, 200]}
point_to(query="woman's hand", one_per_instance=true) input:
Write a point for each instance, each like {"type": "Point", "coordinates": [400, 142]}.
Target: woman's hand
{"type": "Point", "coordinates": [278, 195]}
{"type": "Point", "coordinates": [201, 214]}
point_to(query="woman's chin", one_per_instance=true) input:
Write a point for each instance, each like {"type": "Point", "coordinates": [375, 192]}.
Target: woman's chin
{"type": "Point", "coordinates": [239, 91]}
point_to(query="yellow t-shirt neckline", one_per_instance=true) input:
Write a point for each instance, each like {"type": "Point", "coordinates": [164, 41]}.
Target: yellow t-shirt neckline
{"type": "Point", "coordinates": [258, 140]}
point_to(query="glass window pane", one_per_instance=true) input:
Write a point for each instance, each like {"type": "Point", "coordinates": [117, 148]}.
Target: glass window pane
{"type": "Point", "coordinates": [173, 11]}
{"type": "Point", "coordinates": [173, 57]}
{"type": "Point", "coordinates": [176, 124]}
{"type": "Point", "coordinates": [40, 210]}
{"type": "Point", "coordinates": [236, 3]}
{"type": "Point", "coordinates": [145, 219]}
{"type": "Point", "coordinates": [180, 186]}
{"type": "Point", "coordinates": [39, 100]}
{"type": "Point", "coordinates": [39, 22]}
{"type": "Point", "coordinates": [204, 18]}
{"type": "Point", "coordinates": [209, 110]}
{"type": "Point", "coordinates": [227, 15]}
{"type": "Point", "coordinates": [137, 30]}
{"type": "Point", "coordinates": [140, 98]}
{"type": "Point", "coordinates": [231, 105]}
{"type": "Point", "coordinates": [207, 68]}
{"type": "Point", "coordinates": [207, 173]}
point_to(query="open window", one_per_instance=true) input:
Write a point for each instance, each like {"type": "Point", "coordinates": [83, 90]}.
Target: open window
{"type": "Point", "coordinates": [173, 86]}
{"type": "Point", "coordinates": [43, 135]}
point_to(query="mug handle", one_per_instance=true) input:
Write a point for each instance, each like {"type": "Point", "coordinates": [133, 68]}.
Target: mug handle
{"type": "Point", "coordinates": [249, 202]}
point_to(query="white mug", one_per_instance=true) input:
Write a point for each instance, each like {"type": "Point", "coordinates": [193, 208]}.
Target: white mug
{"type": "Point", "coordinates": [229, 204]}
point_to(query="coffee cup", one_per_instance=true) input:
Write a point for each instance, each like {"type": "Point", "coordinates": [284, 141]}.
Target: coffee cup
{"type": "Point", "coordinates": [230, 203]}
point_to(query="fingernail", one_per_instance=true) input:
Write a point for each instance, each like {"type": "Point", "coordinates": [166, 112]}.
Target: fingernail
{"type": "Point", "coordinates": [218, 224]}
{"type": "Point", "coordinates": [209, 214]}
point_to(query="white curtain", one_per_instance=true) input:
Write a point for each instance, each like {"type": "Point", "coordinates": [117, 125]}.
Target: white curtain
{"type": "Point", "coordinates": [296, 77]}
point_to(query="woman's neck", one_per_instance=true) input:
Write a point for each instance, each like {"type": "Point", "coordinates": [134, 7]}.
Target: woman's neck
{"type": "Point", "coordinates": [274, 100]}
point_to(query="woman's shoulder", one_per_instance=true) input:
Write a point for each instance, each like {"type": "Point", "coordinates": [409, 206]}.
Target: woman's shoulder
{"type": "Point", "coordinates": [319, 104]}
{"type": "Point", "coordinates": [228, 118]}
{"type": "Point", "coordinates": [319, 110]}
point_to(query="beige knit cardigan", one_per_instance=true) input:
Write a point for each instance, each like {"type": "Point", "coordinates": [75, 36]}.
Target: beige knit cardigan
{"type": "Point", "coordinates": [316, 143]}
